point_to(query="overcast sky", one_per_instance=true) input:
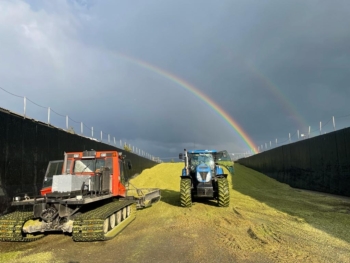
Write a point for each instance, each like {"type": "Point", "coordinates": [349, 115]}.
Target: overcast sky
{"type": "Point", "coordinates": [274, 67]}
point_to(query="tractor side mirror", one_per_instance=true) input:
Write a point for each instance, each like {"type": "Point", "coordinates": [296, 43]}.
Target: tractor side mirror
{"type": "Point", "coordinates": [181, 156]}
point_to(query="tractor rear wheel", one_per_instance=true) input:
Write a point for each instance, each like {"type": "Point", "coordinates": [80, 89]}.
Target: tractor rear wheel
{"type": "Point", "coordinates": [185, 192]}
{"type": "Point", "coordinates": [223, 193]}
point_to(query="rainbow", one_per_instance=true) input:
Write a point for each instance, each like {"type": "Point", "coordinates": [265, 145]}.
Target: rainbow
{"type": "Point", "coordinates": [213, 105]}
{"type": "Point", "coordinates": [280, 97]}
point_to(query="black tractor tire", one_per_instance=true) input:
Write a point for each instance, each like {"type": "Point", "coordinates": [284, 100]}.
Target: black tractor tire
{"type": "Point", "coordinates": [223, 193]}
{"type": "Point", "coordinates": [185, 193]}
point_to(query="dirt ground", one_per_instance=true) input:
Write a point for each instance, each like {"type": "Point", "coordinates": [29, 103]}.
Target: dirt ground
{"type": "Point", "coordinates": [266, 222]}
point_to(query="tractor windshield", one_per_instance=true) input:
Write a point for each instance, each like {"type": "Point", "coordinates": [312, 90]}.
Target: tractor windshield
{"type": "Point", "coordinates": [88, 165]}
{"type": "Point", "coordinates": [201, 158]}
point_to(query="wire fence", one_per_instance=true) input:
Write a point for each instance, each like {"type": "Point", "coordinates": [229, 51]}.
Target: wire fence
{"type": "Point", "coordinates": [325, 126]}
{"type": "Point", "coordinates": [49, 117]}
{"type": "Point", "coordinates": [54, 118]}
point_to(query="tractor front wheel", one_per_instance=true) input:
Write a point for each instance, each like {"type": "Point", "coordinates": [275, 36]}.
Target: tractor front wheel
{"type": "Point", "coordinates": [185, 192]}
{"type": "Point", "coordinates": [223, 193]}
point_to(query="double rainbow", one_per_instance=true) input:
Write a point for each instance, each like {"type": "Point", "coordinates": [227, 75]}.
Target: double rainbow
{"type": "Point", "coordinates": [195, 91]}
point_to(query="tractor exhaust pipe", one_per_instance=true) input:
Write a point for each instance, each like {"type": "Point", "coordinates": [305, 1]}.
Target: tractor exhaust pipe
{"type": "Point", "coordinates": [185, 158]}
{"type": "Point", "coordinates": [65, 163]}
{"type": "Point", "coordinates": [186, 161]}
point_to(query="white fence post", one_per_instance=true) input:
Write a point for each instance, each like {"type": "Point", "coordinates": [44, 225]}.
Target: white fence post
{"type": "Point", "coordinates": [48, 115]}
{"type": "Point", "coordinates": [24, 106]}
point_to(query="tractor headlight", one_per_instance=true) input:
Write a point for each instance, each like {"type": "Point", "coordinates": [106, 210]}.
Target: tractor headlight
{"type": "Point", "coordinates": [17, 198]}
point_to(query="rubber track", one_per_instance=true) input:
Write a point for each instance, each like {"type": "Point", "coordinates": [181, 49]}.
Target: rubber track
{"type": "Point", "coordinates": [89, 226]}
{"type": "Point", "coordinates": [11, 227]}
{"type": "Point", "coordinates": [223, 193]}
{"type": "Point", "coordinates": [185, 193]}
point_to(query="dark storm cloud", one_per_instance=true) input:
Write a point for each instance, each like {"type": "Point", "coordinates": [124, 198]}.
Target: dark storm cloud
{"type": "Point", "coordinates": [273, 66]}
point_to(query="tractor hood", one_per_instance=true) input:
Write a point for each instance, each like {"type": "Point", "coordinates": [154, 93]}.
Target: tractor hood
{"type": "Point", "coordinates": [203, 173]}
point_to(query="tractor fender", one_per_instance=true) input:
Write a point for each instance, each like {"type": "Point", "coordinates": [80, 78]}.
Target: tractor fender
{"type": "Point", "coordinates": [221, 176]}
{"type": "Point", "coordinates": [218, 170]}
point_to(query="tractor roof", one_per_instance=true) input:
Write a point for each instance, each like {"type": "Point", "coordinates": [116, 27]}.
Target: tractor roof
{"type": "Point", "coordinates": [202, 151]}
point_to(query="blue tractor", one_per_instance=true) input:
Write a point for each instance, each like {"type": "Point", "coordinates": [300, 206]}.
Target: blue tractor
{"type": "Point", "coordinates": [202, 177]}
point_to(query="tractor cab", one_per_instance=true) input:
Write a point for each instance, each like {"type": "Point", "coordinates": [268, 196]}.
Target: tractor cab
{"type": "Point", "coordinates": [202, 177]}
{"type": "Point", "coordinates": [100, 171]}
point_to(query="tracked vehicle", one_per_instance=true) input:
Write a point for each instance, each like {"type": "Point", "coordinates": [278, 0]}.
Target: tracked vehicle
{"type": "Point", "coordinates": [202, 177]}
{"type": "Point", "coordinates": [86, 195]}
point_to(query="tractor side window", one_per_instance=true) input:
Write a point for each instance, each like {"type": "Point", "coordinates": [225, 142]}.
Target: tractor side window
{"type": "Point", "coordinates": [224, 158]}
{"type": "Point", "coordinates": [68, 169]}
{"type": "Point", "coordinates": [54, 168]}
{"type": "Point", "coordinates": [100, 163]}
{"type": "Point", "coordinates": [194, 160]}
{"type": "Point", "coordinates": [109, 164]}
